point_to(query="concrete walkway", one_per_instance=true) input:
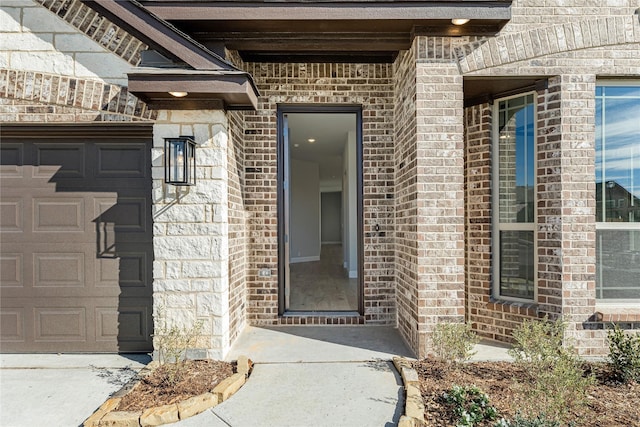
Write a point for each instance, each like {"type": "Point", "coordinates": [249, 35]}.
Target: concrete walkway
{"type": "Point", "coordinates": [60, 390]}
{"type": "Point", "coordinates": [303, 376]}
{"type": "Point", "coordinates": [314, 377]}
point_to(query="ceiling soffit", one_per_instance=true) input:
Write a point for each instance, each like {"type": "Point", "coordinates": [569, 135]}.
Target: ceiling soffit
{"type": "Point", "coordinates": [326, 30]}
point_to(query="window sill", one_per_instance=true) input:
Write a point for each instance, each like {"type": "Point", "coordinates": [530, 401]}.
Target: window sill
{"type": "Point", "coordinates": [617, 313]}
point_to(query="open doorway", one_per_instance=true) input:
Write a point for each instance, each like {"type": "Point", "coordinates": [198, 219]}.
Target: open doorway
{"type": "Point", "coordinates": [320, 202]}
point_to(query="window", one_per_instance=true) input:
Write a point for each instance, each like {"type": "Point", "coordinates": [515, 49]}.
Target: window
{"type": "Point", "coordinates": [514, 201]}
{"type": "Point", "coordinates": [618, 191]}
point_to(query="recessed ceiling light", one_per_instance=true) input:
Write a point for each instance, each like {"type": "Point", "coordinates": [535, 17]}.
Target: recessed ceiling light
{"type": "Point", "coordinates": [296, 145]}
{"type": "Point", "coordinates": [311, 140]}
{"type": "Point", "coordinates": [459, 21]}
{"type": "Point", "coordinates": [179, 94]}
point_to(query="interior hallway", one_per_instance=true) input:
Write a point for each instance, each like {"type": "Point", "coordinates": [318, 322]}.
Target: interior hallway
{"type": "Point", "coordinates": [323, 285]}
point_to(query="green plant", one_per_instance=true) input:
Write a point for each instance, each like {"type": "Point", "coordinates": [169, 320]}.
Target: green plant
{"type": "Point", "coordinates": [470, 405]}
{"type": "Point", "coordinates": [521, 421]}
{"type": "Point", "coordinates": [624, 354]}
{"type": "Point", "coordinates": [172, 342]}
{"type": "Point", "coordinates": [558, 383]}
{"type": "Point", "coordinates": [454, 342]}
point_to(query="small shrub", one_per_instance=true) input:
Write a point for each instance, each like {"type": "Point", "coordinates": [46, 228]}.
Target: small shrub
{"type": "Point", "coordinates": [558, 383]}
{"type": "Point", "coordinates": [454, 342]}
{"type": "Point", "coordinates": [624, 355]}
{"type": "Point", "coordinates": [520, 421]}
{"type": "Point", "coordinates": [470, 405]}
{"type": "Point", "coordinates": [172, 343]}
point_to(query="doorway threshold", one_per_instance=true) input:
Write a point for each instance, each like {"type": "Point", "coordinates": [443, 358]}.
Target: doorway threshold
{"type": "Point", "coordinates": [321, 318]}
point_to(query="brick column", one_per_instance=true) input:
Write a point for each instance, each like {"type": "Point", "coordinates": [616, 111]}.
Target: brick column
{"type": "Point", "coordinates": [440, 197]}
{"type": "Point", "coordinates": [566, 204]}
{"type": "Point", "coordinates": [191, 278]}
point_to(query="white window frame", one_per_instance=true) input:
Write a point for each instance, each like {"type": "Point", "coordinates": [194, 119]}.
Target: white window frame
{"type": "Point", "coordinates": [614, 302]}
{"type": "Point", "coordinates": [497, 227]}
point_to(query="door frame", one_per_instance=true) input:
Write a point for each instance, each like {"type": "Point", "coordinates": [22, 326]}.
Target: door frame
{"type": "Point", "coordinates": [283, 109]}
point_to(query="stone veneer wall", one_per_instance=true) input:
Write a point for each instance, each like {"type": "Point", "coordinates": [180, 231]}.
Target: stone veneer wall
{"type": "Point", "coordinates": [369, 85]}
{"type": "Point", "coordinates": [191, 233]}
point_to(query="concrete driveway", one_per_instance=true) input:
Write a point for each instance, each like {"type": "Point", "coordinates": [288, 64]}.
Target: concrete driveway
{"type": "Point", "coordinates": [60, 389]}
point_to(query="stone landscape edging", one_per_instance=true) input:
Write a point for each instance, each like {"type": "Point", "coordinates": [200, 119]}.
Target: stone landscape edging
{"type": "Point", "coordinates": [105, 416]}
{"type": "Point", "coordinates": [413, 403]}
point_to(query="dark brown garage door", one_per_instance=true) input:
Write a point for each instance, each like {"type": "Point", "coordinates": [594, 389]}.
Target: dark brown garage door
{"type": "Point", "coordinates": [76, 239]}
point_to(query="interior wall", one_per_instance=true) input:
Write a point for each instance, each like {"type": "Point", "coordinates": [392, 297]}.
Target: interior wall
{"type": "Point", "coordinates": [330, 217]}
{"type": "Point", "coordinates": [350, 203]}
{"type": "Point", "coordinates": [304, 220]}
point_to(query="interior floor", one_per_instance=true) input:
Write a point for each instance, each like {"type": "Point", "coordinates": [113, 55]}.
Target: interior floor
{"type": "Point", "coordinates": [323, 285]}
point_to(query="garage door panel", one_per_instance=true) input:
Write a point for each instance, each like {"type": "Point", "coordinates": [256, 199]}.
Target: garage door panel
{"type": "Point", "coordinates": [76, 255]}
{"type": "Point", "coordinates": [11, 270]}
{"type": "Point", "coordinates": [12, 324]}
{"type": "Point", "coordinates": [11, 160]}
{"type": "Point", "coordinates": [128, 324]}
{"type": "Point", "coordinates": [61, 160]}
{"type": "Point", "coordinates": [59, 270]}
{"type": "Point", "coordinates": [11, 215]}
{"type": "Point", "coordinates": [129, 272]}
{"type": "Point", "coordinates": [121, 161]}
{"type": "Point", "coordinates": [59, 214]}
{"type": "Point", "coordinates": [60, 324]}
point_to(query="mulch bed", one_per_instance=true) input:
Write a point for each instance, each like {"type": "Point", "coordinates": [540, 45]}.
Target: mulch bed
{"type": "Point", "coordinates": [196, 377]}
{"type": "Point", "coordinates": [609, 403]}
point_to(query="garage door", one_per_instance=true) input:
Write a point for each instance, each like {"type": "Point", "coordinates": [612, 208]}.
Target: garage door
{"type": "Point", "coordinates": [76, 239]}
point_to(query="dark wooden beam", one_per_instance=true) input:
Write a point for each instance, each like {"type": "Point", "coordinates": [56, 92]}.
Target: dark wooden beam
{"type": "Point", "coordinates": [329, 11]}
{"type": "Point", "coordinates": [158, 34]}
{"type": "Point", "coordinates": [204, 89]}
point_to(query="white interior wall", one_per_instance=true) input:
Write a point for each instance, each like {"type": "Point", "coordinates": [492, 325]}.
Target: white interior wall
{"type": "Point", "coordinates": [304, 233]}
{"type": "Point", "coordinates": [350, 206]}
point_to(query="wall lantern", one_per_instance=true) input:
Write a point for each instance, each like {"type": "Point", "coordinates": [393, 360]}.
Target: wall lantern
{"type": "Point", "coordinates": [180, 161]}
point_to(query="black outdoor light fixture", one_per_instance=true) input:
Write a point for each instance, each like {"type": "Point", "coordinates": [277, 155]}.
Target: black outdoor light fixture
{"type": "Point", "coordinates": [180, 160]}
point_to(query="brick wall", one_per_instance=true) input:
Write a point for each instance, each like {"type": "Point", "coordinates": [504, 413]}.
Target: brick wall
{"type": "Point", "coordinates": [406, 197]}
{"type": "Point", "coordinates": [429, 190]}
{"type": "Point", "coordinates": [368, 85]}
{"type": "Point", "coordinates": [527, 14]}
{"type": "Point", "coordinates": [29, 96]}
{"type": "Point", "coordinates": [238, 226]}
{"type": "Point", "coordinates": [571, 53]}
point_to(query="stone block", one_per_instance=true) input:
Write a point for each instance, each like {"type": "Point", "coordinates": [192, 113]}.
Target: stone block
{"type": "Point", "coordinates": [120, 419]}
{"type": "Point", "coordinates": [228, 387]}
{"type": "Point", "coordinates": [159, 415]}
{"type": "Point", "coordinates": [25, 41]}
{"type": "Point", "coordinates": [77, 43]}
{"type": "Point", "coordinates": [196, 405]}
{"type": "Point", "coordinates": [414, 405]}
{"type": "Point", "coordinates": [108, 406]}
{"type": "Point", "coordinates": [43, 21]}
{"type": "Point", "coordinates": [243, 365]}
{"type": "Point", "coordinates": [409, 376]}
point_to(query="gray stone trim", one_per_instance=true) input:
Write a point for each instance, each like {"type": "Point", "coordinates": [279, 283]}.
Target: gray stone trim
{"type": "Point", "coordinates": [85, 94]}
{"type": "Point", "coordinates": [539, 42]}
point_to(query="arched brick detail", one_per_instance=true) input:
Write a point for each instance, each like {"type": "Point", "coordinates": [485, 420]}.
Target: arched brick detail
{"type": "Point", "coordinates": [539, 42]}
{"type": "Point", "coordinates": [108, 101]}
{"type": "Point", "coordinates": [97, 28]}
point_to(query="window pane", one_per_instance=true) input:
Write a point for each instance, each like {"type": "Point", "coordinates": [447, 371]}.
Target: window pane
{"type": "Point", "coordinates": [618, 265]}
{"type": "Point", "coordinates": [516, 162]}
{"type": "Point", "coordinates": [517, 264]}
{"type": "Point", "coordinates": [618, 157]}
